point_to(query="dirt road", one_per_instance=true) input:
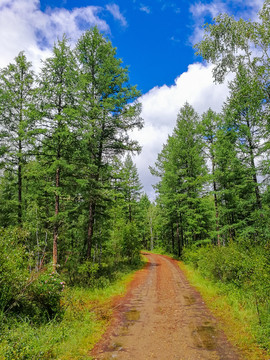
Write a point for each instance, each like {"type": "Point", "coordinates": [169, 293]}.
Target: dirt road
{"type": "Point", "coordinates": [164, 318]}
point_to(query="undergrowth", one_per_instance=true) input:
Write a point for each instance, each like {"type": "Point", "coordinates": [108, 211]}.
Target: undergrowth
{"type": "Point", "coordinates": [85, 314]}
{"type": "Point", "coordinates": [235, 282]}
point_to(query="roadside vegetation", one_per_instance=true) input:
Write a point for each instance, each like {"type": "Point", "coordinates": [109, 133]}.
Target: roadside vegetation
{"type": "Point", "coordinates": [234, 281]}
{"type": "Point", "coordinates": [71, 334]}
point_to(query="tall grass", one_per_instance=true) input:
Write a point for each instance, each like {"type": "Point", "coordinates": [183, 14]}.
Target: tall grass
{"type": "Point", "coordinates": [86, 313]}
{"type": "Point", "coordinates": [235, 281]}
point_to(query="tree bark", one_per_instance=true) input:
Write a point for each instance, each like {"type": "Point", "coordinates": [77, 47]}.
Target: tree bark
{"type": "Point", "coordinates": [56, 224]}
{"type": "Point", "coordinates": [20, 185]}
{"type": "Point", "coordinates": [252, 164]}
{"type": "Point", "coordinates": [151, 234]}
{"type": "Point", "coordinates": [216, 202]}
{"type": "Point", "coordinates": [178, 239]}
{"type": "Point", "coordinates": [172, 237]}
{"type": "Point", "coordinates": [90, 230]}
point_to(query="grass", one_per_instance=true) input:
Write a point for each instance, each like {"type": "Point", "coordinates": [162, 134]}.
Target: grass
{"type": "Point", "coordinates": [237, 321]}
{"type": "Point", "coordinates": [87, 313]}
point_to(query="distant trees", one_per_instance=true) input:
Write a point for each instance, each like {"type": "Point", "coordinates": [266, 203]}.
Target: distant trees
{"type": "Point", "coordinates": [182, 168]}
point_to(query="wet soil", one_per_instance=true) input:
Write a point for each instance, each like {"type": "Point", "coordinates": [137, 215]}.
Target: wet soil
{"type": "Point", "coordinates": [163, 317]}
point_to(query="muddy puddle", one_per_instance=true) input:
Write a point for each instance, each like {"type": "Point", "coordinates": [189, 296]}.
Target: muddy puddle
{"type": "Point", "coordinates": [132, 315]}
{"type": "Point", "coordinates": [205, 337]}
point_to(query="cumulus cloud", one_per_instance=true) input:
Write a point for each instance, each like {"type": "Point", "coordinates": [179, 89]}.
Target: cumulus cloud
{"type": "Point", "coordinates": [115, 11]}
{"type": "Point", "coordinates": [24, 27]}
{"type": "Point", "coordinates": [160, 107]}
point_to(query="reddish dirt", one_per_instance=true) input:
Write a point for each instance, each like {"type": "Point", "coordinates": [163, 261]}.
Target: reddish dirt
{"type": "Point", "coordinates": [163, 317]}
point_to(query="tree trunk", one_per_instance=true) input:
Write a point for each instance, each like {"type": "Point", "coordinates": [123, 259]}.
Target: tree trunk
{"type": "Point", "coordinates": [182, 234]}
{"type": "Point", "coordinates": [151, 235]}
{"type": "Point", "coordinates": [56, 224]}
{"type": "Point", "coordinates": [178, 239]}
{"type": "Point", "coordinates": [172, 237]}
{"type": "Point", "coordinates": [253, 167]}
{"type": "Point", "coordinates": [216, 202]}
{"type": "Point", "coordinates": [20, 154]}
{"type": "Point", "coordinates": [20, 185]}
{"type": "Point", "coordinates": [90, 230]}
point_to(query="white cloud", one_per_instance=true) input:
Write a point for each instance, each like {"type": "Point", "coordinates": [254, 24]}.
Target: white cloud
{"type": "Point", "coordinates": [213, 9]}
{"type": "Point", "coordinates": [24, 27]}
{"type": "Point", "coordinates": [145, 9]}
{"type": "Point", "coordinates": [161, 105]}
{"type": "Point", "coordinates": [115, 11]}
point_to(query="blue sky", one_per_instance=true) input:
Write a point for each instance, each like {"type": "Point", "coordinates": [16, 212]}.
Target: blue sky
{"type": "Point", "coordinates": [154, 38]}
{"type": "Point", "coordinates": [151, 38]}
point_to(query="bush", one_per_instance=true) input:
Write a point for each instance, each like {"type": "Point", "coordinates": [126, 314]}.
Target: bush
{"type": "Point", "coordinates": [13, 268]}
{"type": "Point", "coordinates": [243, 269]}
{"type": "Point", "coordinates": [21, 291]}
{"type": "Point", "coordinates": [88, 272]}
{"type": "Point", "coordinates": [131, 243]}
{"type": "Point", "coordinates": [45, 293]}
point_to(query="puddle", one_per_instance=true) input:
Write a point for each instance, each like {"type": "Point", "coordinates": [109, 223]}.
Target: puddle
{"type": "Point", "coordinates": [189, 299]}
{"type": "Point", "coordinates": [205, 337]}
{"type": "Point", "coordinates": [115, 347]}
{"type": "Point", "coordinates": [132, 315]}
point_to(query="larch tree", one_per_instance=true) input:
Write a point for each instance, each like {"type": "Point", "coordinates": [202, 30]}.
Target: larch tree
{"type": "Point", "coordinates": [182, 169]}
{"type": "Point", "coordinates": [209, 126]}
{"type": "Point", "coordinates": [58, 83]}
{"type": "Point", "coordinates": [16, 122]}
{"type": "Point", "coordinates": [108, 110]}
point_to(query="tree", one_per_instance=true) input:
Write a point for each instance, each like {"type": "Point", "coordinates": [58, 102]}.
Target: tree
{"type": "Point", "coordinates": [108, 110]}
{"type": "Point", "coordinates": [210, 123]}
{"type": "Point", "coordinates": [16, 122]}
{"type": "Point", "coordinates": [58, 81]}
{"type": "Point", "coordinates": [181, 166]}
{"type": "Point", "coordinates": [246, 117]}
{"type": "Point", "coordinates": [229, 43]}
{"type": "Point", "coordinates": [131, 188]}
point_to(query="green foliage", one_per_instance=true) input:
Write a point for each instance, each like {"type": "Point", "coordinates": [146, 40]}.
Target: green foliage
{"type": "Point", "coordinates": [131, 244]}
{"type": "Point", "coordinates": [87, 272]}
{"type": "Point", "coordinates": [182, 169]}
{"type": "Point", "coordinates": [13, 268]}
{"type": "Point", "coordinates": [45, 292]}
{"type": "Point", "coordinates": [85, 317]}
{"type": "Point", "coordinates": [29, 293]}
{"type": "Point", "coordinates": [238, 268]}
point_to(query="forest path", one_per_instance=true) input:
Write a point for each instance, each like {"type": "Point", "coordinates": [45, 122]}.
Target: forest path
{"type": "Point", "coordinates": [164, 318]}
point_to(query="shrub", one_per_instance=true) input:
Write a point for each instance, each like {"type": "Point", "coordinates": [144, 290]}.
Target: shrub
{"type": "Point", "coordinates": [88, 272]}
{"type": "Point", "coordinates": [242, 268]}
{"type": "Point", "coordinates": [45, 293]}
{"type": "Point", "coordinates": [13, 268]}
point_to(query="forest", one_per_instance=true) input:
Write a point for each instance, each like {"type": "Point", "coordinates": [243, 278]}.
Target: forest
{"type": "Point", "coordinates": [73, 214]}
